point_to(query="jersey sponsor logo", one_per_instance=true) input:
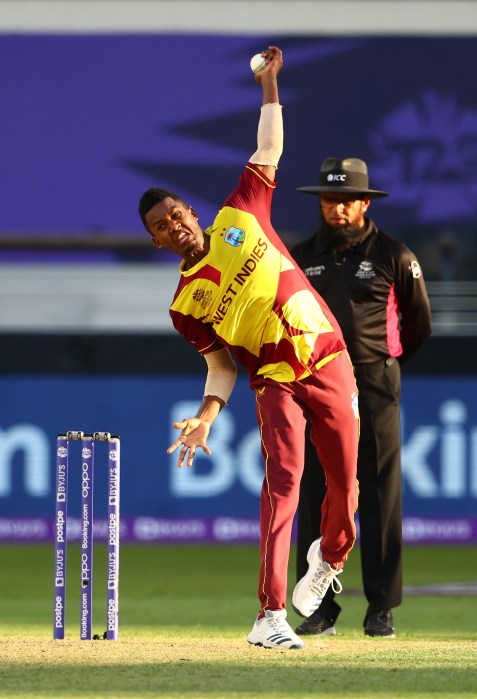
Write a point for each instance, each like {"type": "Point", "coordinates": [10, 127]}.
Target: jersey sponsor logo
{"type": "Point", "coordinates": [314, 271]}
{"type": "Point", "coordinates": [365, 270]}
{"type": "Point", "coordinates": [336, 178]}
{"type": "Point", "coordinates": [234, 236]}
{"type": "Point", "coordinates": [203, 297]}
{"type": "Point", "coordinates": [415, 269]}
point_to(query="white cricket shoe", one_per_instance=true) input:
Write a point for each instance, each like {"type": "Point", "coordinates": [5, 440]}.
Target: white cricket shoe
{"type": "Point", "coordinates": [310, 590]}
{"type": "Point", "coordinates": [273, 631]}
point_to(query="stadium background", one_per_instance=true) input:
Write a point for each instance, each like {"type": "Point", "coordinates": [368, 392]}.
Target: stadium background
{"type": "Point", "coordinates": [103, 99]}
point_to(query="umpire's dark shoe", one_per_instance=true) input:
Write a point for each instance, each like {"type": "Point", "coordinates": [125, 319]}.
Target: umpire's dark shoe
{"type": "Point", "coordinates": [315, 624]}
{"type": "Point", "coordinates": [380, 624]}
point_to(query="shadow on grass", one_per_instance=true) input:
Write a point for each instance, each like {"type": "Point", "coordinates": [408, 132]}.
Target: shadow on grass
{"type": "Point", "coordinates": [255, 676]}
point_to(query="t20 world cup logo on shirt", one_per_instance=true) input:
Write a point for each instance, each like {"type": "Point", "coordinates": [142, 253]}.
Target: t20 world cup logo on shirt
{"type": "Point", "coordinates": [234, 236]}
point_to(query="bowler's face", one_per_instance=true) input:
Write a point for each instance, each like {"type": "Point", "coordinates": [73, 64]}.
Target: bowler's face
{"type": "Point", "coordinates": [340, 211]}
{"type": "Point", "coordinates": [174, 226]}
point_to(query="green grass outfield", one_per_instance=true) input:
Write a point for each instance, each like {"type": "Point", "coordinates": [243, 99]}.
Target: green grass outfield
{"type": "Point", "coordinates": [186, 611]}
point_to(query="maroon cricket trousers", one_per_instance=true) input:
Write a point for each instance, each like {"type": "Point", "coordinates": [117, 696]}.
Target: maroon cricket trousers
{"type": "Point", "coordinates": [328, 398]}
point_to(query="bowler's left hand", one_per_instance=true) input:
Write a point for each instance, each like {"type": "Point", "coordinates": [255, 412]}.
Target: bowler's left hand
{"type": "Point", "coordinates": [194, 434]}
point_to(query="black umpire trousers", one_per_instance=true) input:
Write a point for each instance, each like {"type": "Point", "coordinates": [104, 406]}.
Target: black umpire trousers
{"type": "Point", "coordinates": [380, 491]}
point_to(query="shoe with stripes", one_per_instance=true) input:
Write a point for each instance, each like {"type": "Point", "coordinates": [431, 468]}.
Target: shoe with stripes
{"type": "Point", "coordinates": [273, 631]}
{"type": "Point", "coordinates": [310, 590]}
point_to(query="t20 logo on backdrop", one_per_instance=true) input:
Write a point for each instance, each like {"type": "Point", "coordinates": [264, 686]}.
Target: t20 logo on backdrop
{"type": "Point", "coordinates": [423, 148]}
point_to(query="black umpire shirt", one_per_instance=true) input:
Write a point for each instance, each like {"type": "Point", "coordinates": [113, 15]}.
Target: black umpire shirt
{"type": "Point", "coordinates": [376, 292]}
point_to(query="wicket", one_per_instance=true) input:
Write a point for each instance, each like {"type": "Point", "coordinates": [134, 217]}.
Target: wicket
{"type": "Point", "coordinates": [86, 546]}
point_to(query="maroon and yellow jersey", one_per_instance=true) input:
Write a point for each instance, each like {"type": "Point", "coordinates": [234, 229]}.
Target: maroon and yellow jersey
{"type": "Point", "coordinates": [249, 295]}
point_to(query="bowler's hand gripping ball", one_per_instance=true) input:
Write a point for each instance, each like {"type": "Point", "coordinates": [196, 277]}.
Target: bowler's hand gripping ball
{"type": "Point", "coordinates": [257, 62]}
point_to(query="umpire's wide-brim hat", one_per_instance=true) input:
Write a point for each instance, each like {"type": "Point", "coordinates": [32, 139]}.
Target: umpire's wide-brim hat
{"type": "Point", "coordinates": [348, 176]}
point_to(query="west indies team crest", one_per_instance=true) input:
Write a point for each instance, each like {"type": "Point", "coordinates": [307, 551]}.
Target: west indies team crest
{"type": "Point", "coordinates": [234, 236]}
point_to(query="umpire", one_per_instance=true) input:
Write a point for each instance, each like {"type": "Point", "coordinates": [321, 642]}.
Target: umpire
{"type": "Point", "coordinates": [374, 286]}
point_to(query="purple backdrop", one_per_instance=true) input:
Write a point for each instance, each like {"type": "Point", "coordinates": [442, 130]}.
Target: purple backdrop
{"type": "Point", "coordinates": [89, 122]}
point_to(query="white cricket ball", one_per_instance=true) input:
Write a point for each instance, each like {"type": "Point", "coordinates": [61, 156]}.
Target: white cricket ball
{"type": "Point", "coordinates": [257, 62]}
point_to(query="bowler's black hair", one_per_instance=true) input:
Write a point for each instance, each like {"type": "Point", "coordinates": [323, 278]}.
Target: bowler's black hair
{"type": "Point", "coordinates": [152, 197]}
